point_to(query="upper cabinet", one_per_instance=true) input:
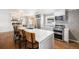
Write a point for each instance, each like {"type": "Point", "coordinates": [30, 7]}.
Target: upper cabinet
{"type": "Point", "coordinates": [49, 20]}
{"type": "Point", "coordinates": [38, 16]}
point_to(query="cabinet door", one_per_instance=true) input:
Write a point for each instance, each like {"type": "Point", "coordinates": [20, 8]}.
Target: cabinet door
{"type": "Point", "coordinates": [47, 28]}
{"type": "Point", "coordinates": [38, 23]}
{"type": "Point", "coordinates": [66, 35]}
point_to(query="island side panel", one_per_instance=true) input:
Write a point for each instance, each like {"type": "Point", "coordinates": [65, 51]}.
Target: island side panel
{"type": "Point", "coordinates": [47, 43]}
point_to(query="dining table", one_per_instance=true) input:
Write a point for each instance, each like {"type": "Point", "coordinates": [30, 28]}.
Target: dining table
{"type": "Point", "coordinates": [44, 37]}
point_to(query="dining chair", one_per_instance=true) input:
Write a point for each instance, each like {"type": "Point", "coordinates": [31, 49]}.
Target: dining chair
{"type": "Point", "coordinates": [31, 42]}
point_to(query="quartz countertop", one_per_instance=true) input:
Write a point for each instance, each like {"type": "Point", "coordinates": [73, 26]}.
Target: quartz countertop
{"type": "Point", "coordinates": [39, 33]}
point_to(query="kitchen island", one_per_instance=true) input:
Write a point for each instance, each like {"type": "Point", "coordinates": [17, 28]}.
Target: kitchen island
{"type": "Point", "coordinates": [44, 37]}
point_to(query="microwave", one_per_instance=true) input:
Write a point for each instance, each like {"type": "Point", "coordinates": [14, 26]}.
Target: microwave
{"type": "Point", "coordinates": [59, 18]}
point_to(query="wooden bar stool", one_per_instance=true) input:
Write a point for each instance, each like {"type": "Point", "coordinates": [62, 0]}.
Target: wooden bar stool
{"type": "Point", "coordinates": [31, 42]}
{"type": "Point", "coordinates": [22, 38]}
{"type": "Point", "coordinates": [34, 42]}
{"type": "Point", "coordinates": [16, 36]}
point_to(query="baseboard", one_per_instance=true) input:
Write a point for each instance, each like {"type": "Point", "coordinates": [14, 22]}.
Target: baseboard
{"type": "Point", "coordinates": [76, 41]}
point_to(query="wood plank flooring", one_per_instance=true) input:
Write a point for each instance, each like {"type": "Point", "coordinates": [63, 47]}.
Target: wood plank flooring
{"type": "Point", "coordinates": [58, 44]}
{"type": "Point", "coordinates": [7, 42]}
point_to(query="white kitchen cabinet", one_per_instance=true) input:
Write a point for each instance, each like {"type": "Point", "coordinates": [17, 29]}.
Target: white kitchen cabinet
{"type": "Point", "coordinates": [66, 35]}
{"type": "Point", "coordinates": [50, 28]}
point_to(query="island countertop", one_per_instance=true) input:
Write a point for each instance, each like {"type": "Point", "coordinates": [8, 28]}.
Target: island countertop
{"type": "Point", "coordinates": [40, 33]}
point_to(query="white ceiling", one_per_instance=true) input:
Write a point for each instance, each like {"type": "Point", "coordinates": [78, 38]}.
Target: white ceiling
{"type": "Point", "coordinates": [36, 11]}
{"type": "Point", "coordinates": [48, 11]}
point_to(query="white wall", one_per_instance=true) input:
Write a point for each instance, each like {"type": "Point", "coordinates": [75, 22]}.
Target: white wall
{"type": "Point", "coordinates": [5, 21]}
{"type": "Point", "coordinates": [73, 17]}
{"type": "Point", "coordinates": [60, 12]}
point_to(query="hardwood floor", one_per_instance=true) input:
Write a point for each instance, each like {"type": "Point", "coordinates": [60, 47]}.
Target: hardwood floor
{"type": "Point", "coordinates": [63, 45]}
{"type": "Point", "coordinates": [7, 42]}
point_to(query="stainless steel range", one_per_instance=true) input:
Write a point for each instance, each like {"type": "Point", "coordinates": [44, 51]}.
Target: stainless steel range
{"type": "Point", "coordinates": [59, 31]}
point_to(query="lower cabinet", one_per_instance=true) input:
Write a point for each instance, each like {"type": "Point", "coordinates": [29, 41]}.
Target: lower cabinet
{"type": "Point", "coordinates": [48, 28]}
{"type": "Point", "coordinates": [66, 35]}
